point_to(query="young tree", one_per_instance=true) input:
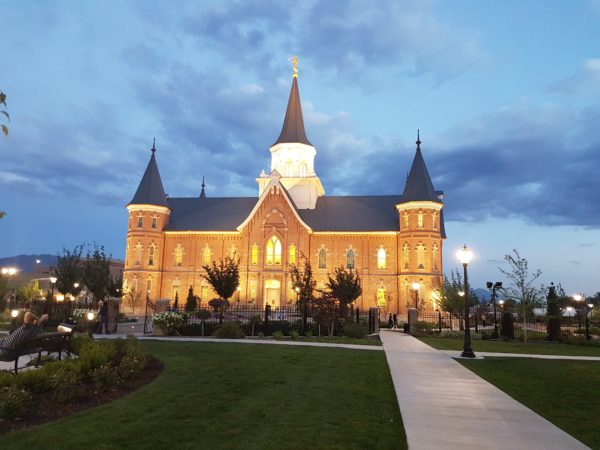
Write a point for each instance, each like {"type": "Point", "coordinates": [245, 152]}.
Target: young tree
{"type": "Point", "coordinates": [68, 270]}
{"type": "Point", "coordinates": [344, 286]}
{"type": "Point", "coordinates": [29, 291]}
{"type": "Point", "coordinates": [132, 298]}
{"type": "Point", "coordinates": [304, 284]}
{"type": "Point", "coordinates": [190, 304]}
{"type": "Point", "coordinates": [553, 313]}
{"type": "Point", "coordinates": [96, 272]}
{"type": "Point", "coordinates": [521, 290]}
{"type": "Point", "coordinates": [224, 278]}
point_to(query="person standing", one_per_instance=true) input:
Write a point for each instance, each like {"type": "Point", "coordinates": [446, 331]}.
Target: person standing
{"type": "Point", "coordinates": [395, 320]}
{"type": "Point", "coordinates": [104, 317]}
{"type": "Point", "coordinates": [390, 322]}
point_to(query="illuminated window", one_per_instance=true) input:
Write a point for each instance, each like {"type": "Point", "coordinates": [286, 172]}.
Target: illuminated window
{"type": "Point", "coordinates": [254, 256]}
{"type": "Point", "coordinates": [292, 257]}
{"type": "Point", "coordinates": [140, 222]}
{"type": "Point", "coordinates": [176, 287]}
{"type": "Point", "coordinates": [405, 220]}
{"type": "Point", "coordinates": [434, 220]}
{"type": "Point", "coordinates": [138, 254]}
{"type": "Point", "coordinates": [273, 251]}
{"type": "Point", "coordinates": [350, 259]}
{"type": "Point", "coordinates": [204, 292]}
{"type": "Point", "coordinates": [154, 222]}
{"type": "Point", "coordinates": [420, 255]}
{"type": "Point", "coordinates": [135, 284]}
{"type": "Point", "coordinates": [420, 219]}
{"type": "Point", "coordinates": [381, 298]}
{"type": "Point", "coordinates": [322, 259]}
{"type": "Point", "coordinates": [381, 256]}
{"type": "Point", "coordinates": [151, 252]}
{"type": "Point", "coordinates": [206, 256]}
{"type": "Point", "coordinates": [179, 255]}
{"type": "Point", "coordinates": [435, 253]}
{"type": "Point", "coordinates": [405, 255]}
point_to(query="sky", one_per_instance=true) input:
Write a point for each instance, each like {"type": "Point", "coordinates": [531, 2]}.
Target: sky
{"type": "Point", "coordinates": [504, 93]}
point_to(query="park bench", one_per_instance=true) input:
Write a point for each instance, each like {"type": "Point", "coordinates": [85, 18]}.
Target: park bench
{"type": "Point", "coordinates": [56, 342]}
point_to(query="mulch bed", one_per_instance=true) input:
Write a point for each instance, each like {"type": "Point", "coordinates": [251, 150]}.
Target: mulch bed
{"type": "Point", "coordinates": [45, 408]}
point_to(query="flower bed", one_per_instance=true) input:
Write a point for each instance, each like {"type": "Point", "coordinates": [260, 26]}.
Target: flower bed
{"type": "Point", "coordinates": [168, 322]}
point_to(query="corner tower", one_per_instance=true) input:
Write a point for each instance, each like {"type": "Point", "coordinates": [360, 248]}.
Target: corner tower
{"type": "Point", "coordinates": [293, 156]}
{"type": "Point", "coordinates": [148, 216]}
{"type": "Point", "coordinates": [420, 237]}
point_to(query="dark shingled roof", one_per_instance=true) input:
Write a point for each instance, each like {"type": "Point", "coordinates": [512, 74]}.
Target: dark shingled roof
{"type": "Point", "coordinates": [209, 213]}
{"type": "Point", "coordinates": [355, 213]}
{"type": "Point", "coordinates": [418, 185]}
{"type": "Point", "coordinates": [150, 191]}
{"type": "Point", "coordinates": [293, 124]}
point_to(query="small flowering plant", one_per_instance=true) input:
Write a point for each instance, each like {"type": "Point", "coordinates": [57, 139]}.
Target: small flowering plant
{"type": "Point", "coordinates": [169, 321]}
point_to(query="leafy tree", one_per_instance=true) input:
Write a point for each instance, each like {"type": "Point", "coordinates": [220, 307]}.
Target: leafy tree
{"type": "Point", "coordinates": [521, 290]}
{"type": "Point", "coordinates": [191, 303]}
{"type": "Point", "coordinates": [224, 278]}
{"type": "Point", "coordinates": [344, 286]}
{"type": "Point", "coordinates": [29, 291]}
{"type": "Point", "coordinates": [553, 313]}
{"type": "Point", "coordinates": [96, 272]}
{"type": "Point", "coordinates": [327, 311]}
{"type": "Point", "coordinates": [450, 299]}
{"type": "Point", "coordinates": [132, 298]}
{"type": "Point", "coordinates": [115, 287]}
{"type": "Point", "coordinates": [4, 113]}
{"type": "Point", "coordinates": [304, 284]}
{"type": "Point", "coordinates": [68, 270]}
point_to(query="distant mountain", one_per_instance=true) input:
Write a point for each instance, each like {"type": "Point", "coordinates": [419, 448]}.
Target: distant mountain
{"type": "Point", "coordinates": [26, 263]}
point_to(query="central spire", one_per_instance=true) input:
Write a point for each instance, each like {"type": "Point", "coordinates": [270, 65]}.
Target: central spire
{"type": "Point", "coordinates": [293, 124]}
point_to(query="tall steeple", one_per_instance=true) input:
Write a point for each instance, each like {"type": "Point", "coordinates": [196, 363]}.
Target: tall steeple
{"type": "Point", "coordinates": [150, 191]}
{"type": "Point", "coordinates": [293, 156]}
{"type": "Point", "coordinates": [202, 193]}
{"type": "Point", "coordinates": [418, 184]}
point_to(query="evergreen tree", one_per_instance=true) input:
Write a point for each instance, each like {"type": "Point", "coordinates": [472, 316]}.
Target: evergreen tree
{"type": "Point", "coordinates": [96, 272]}
{"type": "Point", "coordinates": [190, 304]}
{"type": "Point", "coordinates": [553, 314]}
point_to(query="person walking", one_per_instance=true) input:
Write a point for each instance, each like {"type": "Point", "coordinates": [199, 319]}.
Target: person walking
{"type": "Point", "coordinates": [395, 319]}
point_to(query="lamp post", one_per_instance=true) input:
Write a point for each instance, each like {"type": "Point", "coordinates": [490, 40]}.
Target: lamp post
{"type": "Point", "coordinates": [416, 286]}
{"type": "Point", "coordinates": [494, 286]}
{"type": "Point", "coordinates": [53, 281]}
{"type": "Point", "coordinates": [581, 298]}
{"type": "Point", "coordinates": [465, 255]}
{"type": "Point", "coordinates": [90, 317]}
{"type": "Point", "coordinates": [10, 272]}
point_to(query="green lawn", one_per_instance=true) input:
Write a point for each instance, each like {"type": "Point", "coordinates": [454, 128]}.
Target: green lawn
{"type": "Point", "coordinates": [540, 348]}
{"type": "Point", "coordinates": [219, 395]}
{"type": "Point", "coordinates": [564, 392]}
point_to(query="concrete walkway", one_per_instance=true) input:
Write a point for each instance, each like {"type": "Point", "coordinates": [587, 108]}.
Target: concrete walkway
{"type": "Point", "coordinates": [445, 405]}
{"type": "Point", "coordinates": [456, 354]}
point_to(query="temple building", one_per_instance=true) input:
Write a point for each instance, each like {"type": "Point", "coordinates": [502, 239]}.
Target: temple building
{"type": "Point", "coordinates": [392, 241]}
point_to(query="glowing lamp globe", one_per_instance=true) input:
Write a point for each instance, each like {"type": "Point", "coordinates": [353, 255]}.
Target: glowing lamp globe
{"type": "Point", "coordinates": [464, 255]}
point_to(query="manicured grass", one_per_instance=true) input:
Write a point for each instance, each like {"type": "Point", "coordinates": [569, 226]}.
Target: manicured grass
{"type": "Point", "coordinates": [220, 395]}
{"type": "Point", "coordinates": [564, 392]}
{"type": "Point", "coordinates": [540, 348]}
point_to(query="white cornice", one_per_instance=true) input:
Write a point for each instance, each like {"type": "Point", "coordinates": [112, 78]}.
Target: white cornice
{"type": "Point", "coordinates": [153, 208]}
{"type": "Point", "coordinates": [419, 205]}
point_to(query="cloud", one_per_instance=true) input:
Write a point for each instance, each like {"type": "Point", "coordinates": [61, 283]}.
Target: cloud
{"type": "Point", "coordinates": [584, 82]}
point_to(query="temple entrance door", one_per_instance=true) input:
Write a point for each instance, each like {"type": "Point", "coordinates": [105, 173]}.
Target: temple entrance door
{"type": "Point", "coordinates": [273, 293]}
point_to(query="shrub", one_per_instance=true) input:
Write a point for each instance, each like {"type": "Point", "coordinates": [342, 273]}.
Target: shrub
{"type": "Point", "coordinates": [261, 335]}
{"type": "Point", "coordinates": [308, 333]}
{"type": "Point", "coordinates": [355, 330]}
{"type": "Point", "coordinates": [65, 385]}
{"type": "Point", "coordinates": [452, 334]}
{"type": "Point", "coordinates": [230, 330]}
{"type": "Point", "coordinates": [195, 329]}
{"type": "Point", "coordinates": [6, 379]}
{"type": "Point", "coordinates": [105, 377]}
{"type": "Point", "coordinates": [294, 335]}
{"type": "Point", "coordinates": [96, 354]}
{"type": "Point", "coordinates": [78, 341]}
{"type": "Point", "coordinates": [13, 402]}
{"type": "Point", "coordinates": [170, 321]}
{"type": "Point", "coordinates": [507, 326]}
{"type": "Point", "coordinates": [34, 381]}
{"type": "Point", "coordinates": [277, 335]}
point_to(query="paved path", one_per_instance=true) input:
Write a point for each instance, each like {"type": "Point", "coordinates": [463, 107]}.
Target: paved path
{"type": "Point", "coordinates": [445, 405]}
{"type": "Point", "coordinates": [456, 354]}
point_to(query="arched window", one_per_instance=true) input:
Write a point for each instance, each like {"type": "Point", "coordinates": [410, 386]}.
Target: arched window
{"type": "Point", "coordinates": [381, 257]}
{"type": "Point", "coordinates": [140, 221]}
{"type": "Point", "coordinates": [322, 259]}
{"type": "Point", "coordinates": [138, 254]}
{"type": "Point", "coordinates": [206, 256]}
{"type": "Point", "coordinates": [434, 220]}
{"type": "Point", "coordinates": [350, 259]}
{"type": "Point", "coordinates": [179, 255]}
{"type": "Point", "coordinates": [154, 222]}
{"type": "Point", "coordinates": [405, 255]}
{"type": "Point", "coordinates": [148, 286]}
{"type": "Point", "coordinates": [292, 255]}
{"type": "Point", "coordinates": [151, 252]}
{"type": "Point", "coordinates": [289, 168]}
{"type": "Point", "coordinates": [303, 169]}
{"type": "Point", "coordinates": [435, 253]}
{"type": "Point", "coordinates": [254, 255]}
{"type": "Point", "coordinates": [420, 255]}
{"type": "Point", "coordinates": [420, 219]}
{"type": "Point", "coordinates": [273, 251]}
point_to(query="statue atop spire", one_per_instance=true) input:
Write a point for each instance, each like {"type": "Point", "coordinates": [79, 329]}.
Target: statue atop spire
{"type": "Point", "coordinates": [418, 140]}
{"type": "Point", "coordinates": [202, 193]}
{"type": "Point", "coordinates": [294, 60]}
{"type": "Point", "coordinates": [153, 149]}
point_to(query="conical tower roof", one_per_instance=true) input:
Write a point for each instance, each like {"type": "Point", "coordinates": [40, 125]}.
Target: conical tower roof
{"type": "Point", "coordinates": [150, 191]}
{"type": "Point", "coordinates": [418, 184]}
{"type": "Point", "coordinates": [293, 124]}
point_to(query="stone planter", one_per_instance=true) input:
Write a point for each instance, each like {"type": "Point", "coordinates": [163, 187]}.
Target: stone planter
{"type": "Point", "coordinates": [157, 330]}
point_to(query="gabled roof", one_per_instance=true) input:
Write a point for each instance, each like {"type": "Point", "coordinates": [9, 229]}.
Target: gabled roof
{"type": "Point", "coordinates": [418, 185]}
{"type": "Point", "coordinates": [293, 124]}
{"type": "Point", "coordinates": [150, 191]}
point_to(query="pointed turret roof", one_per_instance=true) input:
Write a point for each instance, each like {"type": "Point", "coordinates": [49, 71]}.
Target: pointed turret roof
{"type": "Point", "coordinates": [150, 191]}
{"type": "Point", "coordinates": [293, 124]}
{"type": "Point", "coordinates": [202, 193]}
{"type": "Point", "coordinates": [418, 184]}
